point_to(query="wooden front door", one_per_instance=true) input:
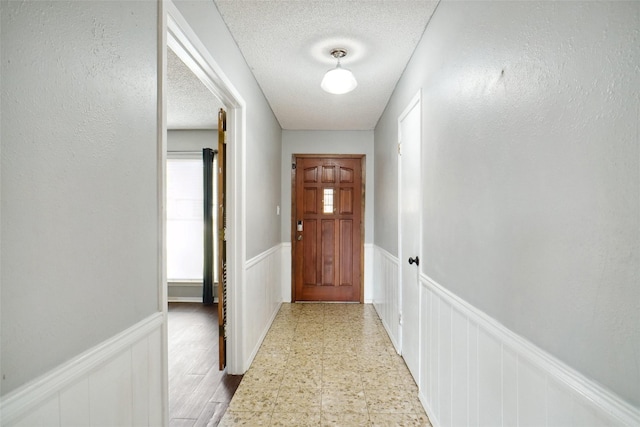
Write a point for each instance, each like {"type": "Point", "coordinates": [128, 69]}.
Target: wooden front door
{"type": "Point", "coordinates": [327, 234]}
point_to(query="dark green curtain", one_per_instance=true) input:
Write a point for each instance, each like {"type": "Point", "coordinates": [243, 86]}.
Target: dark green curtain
{"type": "Point", "coordinates": [207, 283]}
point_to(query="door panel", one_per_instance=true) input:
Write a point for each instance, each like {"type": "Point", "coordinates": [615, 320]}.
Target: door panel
{"type": "Point", "coordinates": [327, 244]}
{"type": "Point", "coordinates": [346, 201]}
{"type": "Point", "coordinates": [346, 256]}
{"type": "Point", "coordinates": [327, 222]}
{"type": "Point", "coordinates": [410, 235]}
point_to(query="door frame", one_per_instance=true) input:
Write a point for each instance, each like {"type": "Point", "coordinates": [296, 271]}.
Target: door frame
{"type": "Point", "coordinates": [176, 33]}
{"type": "Point", "coordinates": [363, 166]}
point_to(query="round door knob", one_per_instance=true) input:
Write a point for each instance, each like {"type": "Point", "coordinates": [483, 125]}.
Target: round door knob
{"type": "Point", "coordinates": [415, 260]}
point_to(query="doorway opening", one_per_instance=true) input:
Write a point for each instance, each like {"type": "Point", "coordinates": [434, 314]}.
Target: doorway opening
{"type": "Point", "coordinates": [180, 40]}
{"type": "Point", "coordinates": [199, 389]}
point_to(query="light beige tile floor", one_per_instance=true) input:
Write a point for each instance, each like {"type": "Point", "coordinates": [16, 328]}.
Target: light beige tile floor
{"type": "Point", "coordinates": [326, 365]}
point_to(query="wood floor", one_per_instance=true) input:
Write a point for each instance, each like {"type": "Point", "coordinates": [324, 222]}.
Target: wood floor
{"type": "Point", "coordinates": [199, 393]}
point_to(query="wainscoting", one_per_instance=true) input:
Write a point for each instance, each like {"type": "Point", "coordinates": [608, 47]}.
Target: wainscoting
{"type": "Point", "coordinates": [386, 293]}
{"type": "Point", "coordinates": [285, 262]}
{"type": "Point", "coordinates": [260, 297]}
{"type": "Point", "coordinates": [476, 372]}
{"type": "Point", "coordinates": [118, 382]}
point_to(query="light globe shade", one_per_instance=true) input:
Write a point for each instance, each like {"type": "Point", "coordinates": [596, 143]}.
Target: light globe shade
{"type": "Point", "coordinates": [338, 81]}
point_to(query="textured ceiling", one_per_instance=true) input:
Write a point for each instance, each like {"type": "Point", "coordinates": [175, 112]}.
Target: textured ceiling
{"type": "Point", "coordinates": [287, 43]}
{"type": "Point", "coordinates": [190, 105]}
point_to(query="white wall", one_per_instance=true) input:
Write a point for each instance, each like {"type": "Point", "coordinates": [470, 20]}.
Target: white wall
{"type": "Point", "coordinates": [531, 174]}
{"type": "Point", "coordinates": [327, 142]}
{"type": "Point", "coordinates": [192, 140]}
{"type": "Point", "coordinates": [80, 230]}
{"type": "Point", "coordinates": [263, 133]}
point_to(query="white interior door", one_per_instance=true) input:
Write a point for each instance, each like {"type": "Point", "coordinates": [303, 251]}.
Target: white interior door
{"type": "Point", "coordinates": [410, 233]}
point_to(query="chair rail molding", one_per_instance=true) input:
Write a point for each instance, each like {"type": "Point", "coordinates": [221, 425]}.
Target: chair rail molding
{"type": "Point", "coordinates": [475, 371]}
{"type": "Point", "coordinates": [130, 356]}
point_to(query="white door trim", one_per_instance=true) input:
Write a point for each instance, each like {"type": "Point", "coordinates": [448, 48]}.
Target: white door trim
{"type": "Point", "coordinates": [188, 47]}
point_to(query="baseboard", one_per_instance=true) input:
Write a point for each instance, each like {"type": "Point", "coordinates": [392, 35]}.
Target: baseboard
{"type": "Point", "coordinates": [187, 299]}
{"type": "Point", "coordinates": [187, 283]}
{"type": "Point", "coordinates": [29, 400]}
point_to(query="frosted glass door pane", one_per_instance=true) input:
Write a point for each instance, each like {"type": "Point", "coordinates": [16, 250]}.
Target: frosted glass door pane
{"type": "Point", "coordinates": [184, 219]}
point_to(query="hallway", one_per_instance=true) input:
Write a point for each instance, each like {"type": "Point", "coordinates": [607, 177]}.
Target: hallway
{"type": "Point", "coordinates": [329, 365]}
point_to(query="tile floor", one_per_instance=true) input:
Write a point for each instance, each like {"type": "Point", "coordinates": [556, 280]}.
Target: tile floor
{"type": "Point", "coordinates": [326, 365]}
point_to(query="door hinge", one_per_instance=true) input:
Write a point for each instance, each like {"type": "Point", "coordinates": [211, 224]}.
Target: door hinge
{"type": "Point", "coordinates": [400, 149]}
{"type": "Point", "coordinates": [400, 319]}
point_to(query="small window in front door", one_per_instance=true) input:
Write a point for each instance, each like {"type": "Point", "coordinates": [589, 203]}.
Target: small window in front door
{"type": "Point", "coordinates": [327, 201]}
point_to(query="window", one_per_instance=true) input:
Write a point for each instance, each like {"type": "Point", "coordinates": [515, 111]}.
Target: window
{"type": "Point", "coordinates": [185, 220]}
{"type": "Point", "coordinates": [327, 201]}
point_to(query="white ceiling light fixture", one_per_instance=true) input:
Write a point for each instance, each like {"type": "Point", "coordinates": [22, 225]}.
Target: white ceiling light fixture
{"type": "Point", "coordinates": [338, 80]}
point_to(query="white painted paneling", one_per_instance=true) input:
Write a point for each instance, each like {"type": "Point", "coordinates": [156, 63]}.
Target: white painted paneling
{"type": "Point", "coordinates": [386, 293]}
{"type": "Point", "coordinates": [425, 345]}
{"type": "Point", "coordinates": [285, 271]}
{"type": "Point", "coordinates": [368, 272]}
{"type": "Point", "coordinates": [157, 399]}
{"type": "Point", "coordinates": [140, 383]}
{"type": "Point", "coordinates": [559, 403]}
{"type": "Point", "coordinates": [118, 383]}
{"type": "Point", "coordinates": [473, 398]}
{"type": "Point", "coordinates": [110, 393]}
{"type": "Point", "coordinates": [444, 363]}
{"type": "Point", "coordinates": [509, 387]}
{"type": "Point", "coordinates": [46, 415]}
{"type": "Point", "coordinates": [479, 373]}
{"type": "Point", "coordinates": [433, 316]}
{"type": "Point", "coordinates": [75, 404]}
{"type": "Point", "coordinates": [459, 375]}
{"type": "Point", "coordinates": [262, 296]}
{"type": "Point", "coordinates": [531, 401]}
